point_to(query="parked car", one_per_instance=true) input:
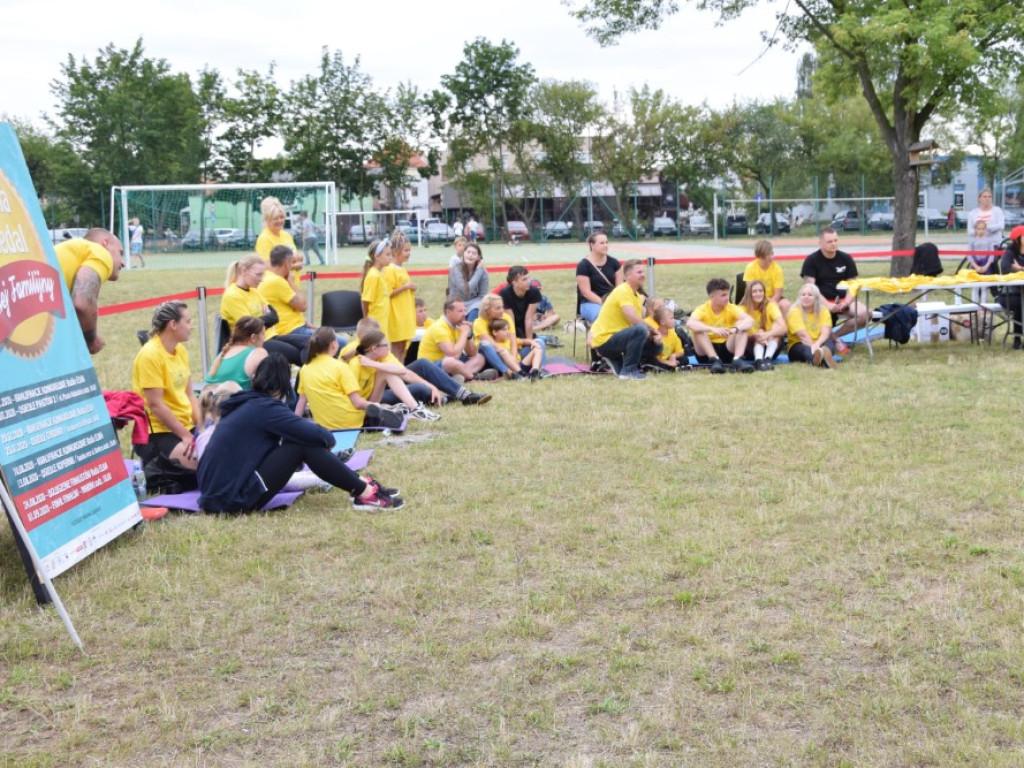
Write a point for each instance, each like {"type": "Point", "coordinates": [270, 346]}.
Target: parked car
{"type": "Point", "coordinates": [592, 226]}
{"type": "Point", "coordinates": [935, 219]}
{"type": "Point", "coordinates": [359, 234]}
{"type": "Point", "coordinates": [663, 225]}
{"type": "Point", "coordinates": [1012, 217]}
{"type": "Point", "coordinates": [846, 221]}
{"type": "Point", "coordinates": [764, 224]}
{"type": "Point", "coordinates": [515, 230]}
{"type": "Point", "coordinates": [697, 224]}
{"type": "Point", "coordinates": [438, 232]}
{"type": "Point", "coordinates": [66, 233]}
{"type": "Point", "coordinates": [408, 229]}
{"type": "Point", "coordinates": [231, 237]}
{"type": "Point", "coordinates": [736, 224]}
{"type": "Point", "coordinates": [557, 229]}
{"type": "Point", "coordinates": [190, 242]}
{"type": "Point", "coordinates": [619, 230]}
{"type": "Point", "coordinates": [880, 220]}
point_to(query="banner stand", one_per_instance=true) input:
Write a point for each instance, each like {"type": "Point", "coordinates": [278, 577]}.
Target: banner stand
{"type": "Point", "coordinates": [37, 575]}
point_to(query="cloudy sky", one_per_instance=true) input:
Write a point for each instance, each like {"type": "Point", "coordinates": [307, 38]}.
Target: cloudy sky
{"type": "Point", "coordinates": [690, 58]}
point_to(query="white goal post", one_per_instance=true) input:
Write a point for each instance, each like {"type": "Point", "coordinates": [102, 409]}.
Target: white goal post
{"type": "Point", "coordinates": [192, 225]}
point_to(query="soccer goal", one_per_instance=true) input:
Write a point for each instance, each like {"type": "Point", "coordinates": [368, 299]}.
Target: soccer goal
{"type": "Point", "coordinates": [208, 225]}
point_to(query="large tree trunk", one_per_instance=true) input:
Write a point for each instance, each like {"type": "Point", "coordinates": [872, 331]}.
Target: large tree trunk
{"type": "Point", "coordinates": [904, 229]}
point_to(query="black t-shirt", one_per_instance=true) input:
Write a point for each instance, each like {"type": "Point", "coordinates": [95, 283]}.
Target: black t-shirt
{"type": "Point", "coordinates": [598, 284]}
{"type": "Point", "coordinates": [828, 273]}
{"type": "Point", "coordinates": [518, 306]}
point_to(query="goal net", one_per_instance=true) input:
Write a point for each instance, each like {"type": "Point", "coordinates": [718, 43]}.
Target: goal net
{"type": "Point", "coordinates": [207, 225]}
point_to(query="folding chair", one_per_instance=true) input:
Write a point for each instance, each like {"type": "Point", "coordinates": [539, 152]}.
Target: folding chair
{"type": "Point", "coordinates": [341, 310]}
{"type": "Point", "coordinates": [741, 288]}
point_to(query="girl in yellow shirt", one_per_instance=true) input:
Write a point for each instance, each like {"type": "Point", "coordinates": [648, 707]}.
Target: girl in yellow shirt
{"type": "Point", "coordinates": [373, 289]}
{"type": "Point", "coordinates": [810, 329]}
{"type": "Point", "coordinates": [765, 340]}
{"type": "Point", "coordinates": [401, 293]}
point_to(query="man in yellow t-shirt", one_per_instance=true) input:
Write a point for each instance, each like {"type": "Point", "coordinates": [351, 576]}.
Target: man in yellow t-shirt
{"type": "Point", "coordinates": [86, 263]}
{"type": "Point", "coordinates": [619, 334]}
{"type": "Point", "coordinates": [278, 292]}
{"type": "Point", "coordinates": [767, 270]}
{"type": "Point", "coordinates": [720, 330]}
{"type": "Point", "coordinates": [449, 344]}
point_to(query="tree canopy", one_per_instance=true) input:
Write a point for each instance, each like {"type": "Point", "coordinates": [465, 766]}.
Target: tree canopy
{"type": "Point", "coordinates": [910, 59]}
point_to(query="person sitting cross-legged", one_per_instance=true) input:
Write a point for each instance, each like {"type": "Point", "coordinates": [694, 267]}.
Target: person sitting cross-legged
{"type": "Point", "coordinates": [619, 334]}
{"type": "Point", "coordinates": [720, 330]}
{"type": "Point", "coordinates": [449, 344]}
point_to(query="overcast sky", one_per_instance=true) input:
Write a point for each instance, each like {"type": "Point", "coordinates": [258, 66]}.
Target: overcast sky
{"type": "Point", "coordinates": [396, 41]}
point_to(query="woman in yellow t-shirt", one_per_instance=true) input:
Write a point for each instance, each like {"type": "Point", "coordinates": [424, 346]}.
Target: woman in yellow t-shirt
{"type": "Point", "coordinates": [273, 228]}
{"type": "Point", "coordinates": [373, 289]}
{"type": "Point", "coordinates": [332, 391]}
{"type": "Point", "coordinates": [765, 340]}
{"type": "Point", "coordinates": [402, 295]}
{"type": "Point", "coordinates": [162, 376]}
{"type": "Point", "coordinates": [810, 329]}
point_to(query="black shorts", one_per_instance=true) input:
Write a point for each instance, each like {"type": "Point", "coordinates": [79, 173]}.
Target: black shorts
{"type": "Point", "coordinates": [723, 352]}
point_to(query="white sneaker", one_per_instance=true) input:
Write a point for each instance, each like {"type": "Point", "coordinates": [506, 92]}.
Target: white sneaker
{"type": "Point", "coordinates": [421, 413]}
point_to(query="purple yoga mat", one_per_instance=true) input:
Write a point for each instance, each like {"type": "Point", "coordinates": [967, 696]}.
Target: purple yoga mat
{"type": "Point", "coordinates": [189, 502]}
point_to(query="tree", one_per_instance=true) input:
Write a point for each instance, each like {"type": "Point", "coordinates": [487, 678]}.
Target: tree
{"type": "Point", "coordinates": [482, 107]}
{"type": "Point", "coordinates": [994, 127]}
{"type": "Point", "coordinates": [62, 181]}
{"type": "Point", "coordinates": [564, 112]}
{"type": "Point", "coordinates": [129, 117]}
{"type": "Point", "coordinates": [911, 61]}
{"type": "Point", "coordinates": [212, 97]}
{"type": "Point", "coordinates": [631, 145]}
{"type": "Point", "coordinates": [251, 117]}
{"type": "Point", "coordinates": [328, 136]}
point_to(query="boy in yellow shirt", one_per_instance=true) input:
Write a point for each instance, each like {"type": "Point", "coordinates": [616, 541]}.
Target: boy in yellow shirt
{"type": "Point", "coordinates": [720, 330]}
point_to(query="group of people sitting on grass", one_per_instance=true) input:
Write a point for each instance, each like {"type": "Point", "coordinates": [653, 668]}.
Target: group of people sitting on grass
{"type": "Point", "coordinates": [632, 334]}
{"type": "Point", "coordinates": [254, 430]}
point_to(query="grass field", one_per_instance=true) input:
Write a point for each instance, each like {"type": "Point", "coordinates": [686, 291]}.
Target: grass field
{"type": "Point", "coordinates": [799, 568]}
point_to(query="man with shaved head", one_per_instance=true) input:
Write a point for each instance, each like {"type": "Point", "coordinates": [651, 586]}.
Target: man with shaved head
{"type": "Point", "coordinates": [88, 262]}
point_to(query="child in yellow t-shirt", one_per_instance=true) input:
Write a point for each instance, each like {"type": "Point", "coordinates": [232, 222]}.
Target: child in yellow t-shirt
{"type": "Point", "coordinates": [672, 356]}
{"type": "Point", "coordinates": [401, 290]}
{"type": "Point", "coordinates": [373, 290]}
{"type": "Point", "coordinates": [765, 339]}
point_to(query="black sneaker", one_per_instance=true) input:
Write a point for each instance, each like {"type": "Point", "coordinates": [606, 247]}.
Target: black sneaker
{"type": "Point", "coordinates": [614, 367]}
{"type": "Point", "coordinates": [717, 367]}
{"type": "Point", "coordinates": [476, 398]}
{"type": "Point", "coordinates": [382, 488]}
{"type": "Point", "coordinates": [742, 366]}
{"type": "Point", "coordinates": [377, 501]}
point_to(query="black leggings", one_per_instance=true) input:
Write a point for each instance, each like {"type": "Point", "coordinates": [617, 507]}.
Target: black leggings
{"type": "Point", "coordinates": [294, 347]}
{"type": "Point", "coordinates": [281, 463]}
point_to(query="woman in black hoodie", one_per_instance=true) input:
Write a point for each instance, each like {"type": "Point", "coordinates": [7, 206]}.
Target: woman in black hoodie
{"type": "Point", "coordinates": [259, 442]}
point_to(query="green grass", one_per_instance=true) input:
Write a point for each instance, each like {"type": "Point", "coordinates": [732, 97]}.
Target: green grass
{"type": "Point", "coordinates": [799, 568]}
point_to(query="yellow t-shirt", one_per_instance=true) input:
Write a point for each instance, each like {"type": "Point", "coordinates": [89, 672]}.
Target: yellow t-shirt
{"type": "Point", "coordinates": [773, 312]}
{"type": "Point", "coordinates": [366, 377]}
{"type": "Point", "coordinates": [428, 322]}
{"type": "Point", "coordinates": [402, 318]}
{"type": "Point", "coordinates": [439, 332]}
{"type": "Point", "coordinates": [771, 277]}
{"type": "Point", "coordinates": [240, 302]}
{"type": "Point", "coordinates": [349, 349]}
{"type": "Point", "coordinates": [727, 318]}
{"type": "Point", "coordinates": [266, 241]}
{"type": "Point", "coordinates": [481, 327]}
{"type": "Point", "coordinates": [796, 322]}
{"type": "Point", "coordinates": [671, 344]}
{"type": "Point", "coordinates": [277, 292]}
{"type": "Point", "coordinates": [155, 368]}
{"type": "Point", "coordinates": [79, 252]}
{"type": "Point", "coordinates": [611, 320]}
{"type": "Point", "coordinates": [327, 384]}
{"type": "Point", "coordinates": [375, 296]}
